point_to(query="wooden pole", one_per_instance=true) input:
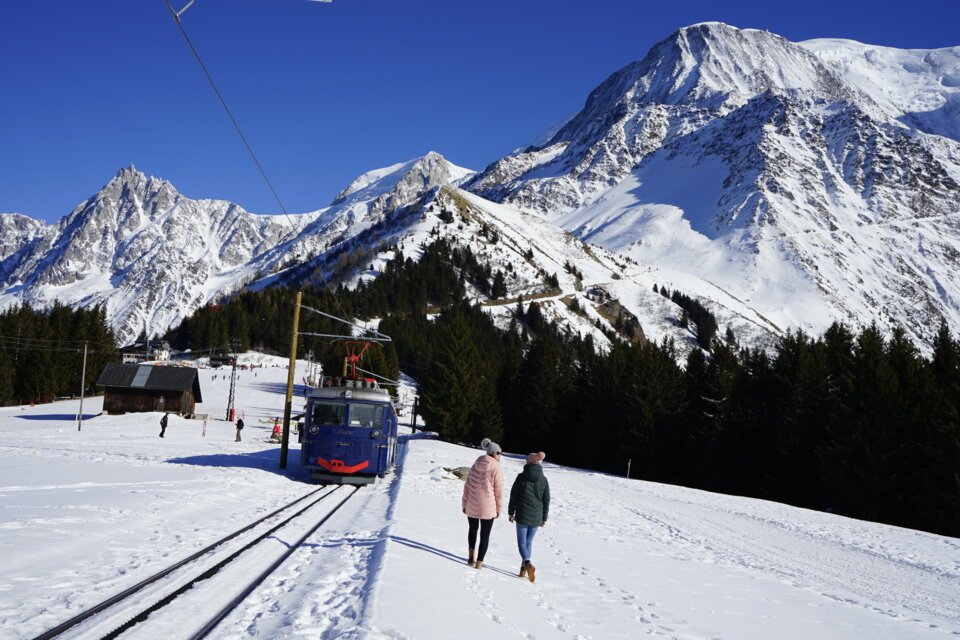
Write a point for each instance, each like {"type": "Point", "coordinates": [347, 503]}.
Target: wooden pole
{"type": "Point", "coordinates": [83, 385]}
{"type": "Point", "coordinates": [413, 422]}
{"type": "Point", "coordinates": [291, 371]}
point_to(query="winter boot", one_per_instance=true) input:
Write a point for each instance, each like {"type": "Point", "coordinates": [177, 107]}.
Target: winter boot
{"type": "Point", "coordinates": [479, 564]}
{"type": "Point", "coordinates": [471, 559]}
{"type": "Point", "coordinates": [523, 569]}
{"type": "Point", "coordinates": [531, 572]}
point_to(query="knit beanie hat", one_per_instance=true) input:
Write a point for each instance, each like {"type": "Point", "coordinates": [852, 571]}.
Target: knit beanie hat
{"type": "Point", "coordinates": [490, 446]}
{"type": "Point", "coordinates": [536, 458]}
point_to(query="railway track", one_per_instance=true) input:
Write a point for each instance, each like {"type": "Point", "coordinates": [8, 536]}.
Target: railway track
{"type": "Point", "coordinates": [193, 578]}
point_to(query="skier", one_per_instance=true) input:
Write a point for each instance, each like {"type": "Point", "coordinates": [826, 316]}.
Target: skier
{"type": "Point", "coordinates": [482, 499]}
{"type": "Point", "coordinates": [163, 424]}
{"type": "Point", "coordinates": [239, 428]}
{"type": "Point", "coordinates": [529, 506]}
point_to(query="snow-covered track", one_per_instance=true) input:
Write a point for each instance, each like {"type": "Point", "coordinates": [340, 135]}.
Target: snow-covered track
{"type": "Point", "coordinates": [112, 617]}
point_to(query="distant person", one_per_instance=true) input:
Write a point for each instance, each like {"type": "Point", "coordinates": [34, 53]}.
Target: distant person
{"type": "Point", "coordinates": [163, 424]}
{"type": "Point", "coordinates": [482, 500]}
{"type": "Point", "coordinates": [529, 507]}
{"type": "Point", "coordinates": [239, 428]}
{"type": "Point", "coordinates": [277, 434]}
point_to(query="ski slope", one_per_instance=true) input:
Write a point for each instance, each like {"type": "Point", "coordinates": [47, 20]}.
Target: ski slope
{"type": "Point", "coordinates": [84, 515]}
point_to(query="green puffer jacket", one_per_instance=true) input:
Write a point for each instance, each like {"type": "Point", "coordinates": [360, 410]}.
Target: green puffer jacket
{"type": "Point", "coordinates": [530, 496]}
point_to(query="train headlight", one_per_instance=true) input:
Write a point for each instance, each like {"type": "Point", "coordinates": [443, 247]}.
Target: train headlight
{"type": "Point", "coordinates": [375, 434]}
{"type": "Point", "coordinates": [314, 429]}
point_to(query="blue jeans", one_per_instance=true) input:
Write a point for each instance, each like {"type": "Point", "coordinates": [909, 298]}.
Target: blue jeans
{"type": "Point", "coordinates": [525, 533]}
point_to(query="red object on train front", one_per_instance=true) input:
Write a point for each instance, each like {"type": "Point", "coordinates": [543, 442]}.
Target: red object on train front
{"type": "Point", "coordinates": [337, 466]}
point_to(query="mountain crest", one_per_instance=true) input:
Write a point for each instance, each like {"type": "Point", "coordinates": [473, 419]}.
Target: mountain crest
{"type": "Point", "coordinates": [420, 174]}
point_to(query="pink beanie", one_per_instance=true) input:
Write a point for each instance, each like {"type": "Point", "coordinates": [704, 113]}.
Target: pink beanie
{"type": "Point", "coordinates": [536, 458]}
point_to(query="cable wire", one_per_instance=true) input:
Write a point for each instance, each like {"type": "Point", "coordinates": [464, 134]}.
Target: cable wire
{"type": "Point", "coordinates": [293, 226]}
{"type": "Point", "coordinates": [236, 125]}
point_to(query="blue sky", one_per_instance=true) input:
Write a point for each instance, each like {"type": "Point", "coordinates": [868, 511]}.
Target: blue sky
{"type": "Point", "coordinates": [326, 92]}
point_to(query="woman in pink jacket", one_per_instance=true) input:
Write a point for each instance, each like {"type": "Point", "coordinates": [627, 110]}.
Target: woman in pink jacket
{"type": "Point", "coordinates": [483, 499]}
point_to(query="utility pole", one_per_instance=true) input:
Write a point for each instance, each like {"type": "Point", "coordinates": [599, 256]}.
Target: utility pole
{"type": "Point", "coordinates": [628, 467]}
{"type": "Point", "coordinates": [83, 384]}
{"type": "Point", "coordinates": [235, 345]}
{"type": "Point", "coordinates": [291, 371]}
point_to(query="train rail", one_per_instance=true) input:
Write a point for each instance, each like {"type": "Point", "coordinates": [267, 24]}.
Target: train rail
{"type": "Point", "coordinates": [106, 614]}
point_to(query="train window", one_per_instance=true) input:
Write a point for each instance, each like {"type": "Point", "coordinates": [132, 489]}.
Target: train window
{"type": "Point", "coordinates": [329, 412]}
{"type": "Point", "coordinates": [365, 415]}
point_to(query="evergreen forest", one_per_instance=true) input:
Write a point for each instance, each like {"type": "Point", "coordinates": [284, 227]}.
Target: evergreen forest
{"type": "Point", "coordinates": [41, 352]}
{"type": "Point", "coordinates": [855, 423]}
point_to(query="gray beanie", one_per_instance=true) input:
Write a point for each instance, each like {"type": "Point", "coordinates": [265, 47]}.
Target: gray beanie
{"type": "Point", "coordinates": [490, 446]}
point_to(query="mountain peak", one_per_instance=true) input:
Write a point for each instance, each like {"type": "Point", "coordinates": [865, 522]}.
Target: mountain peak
{"type": "Point", "coordinates": [427, 171]}
{"type": "Point", "coordinates": [128, 172]}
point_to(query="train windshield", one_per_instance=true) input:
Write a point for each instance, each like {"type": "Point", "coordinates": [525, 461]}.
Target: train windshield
{"type": "Point", "coordinates": [365, 415]}
{"type": "Point", "coordinates": [329, 412]}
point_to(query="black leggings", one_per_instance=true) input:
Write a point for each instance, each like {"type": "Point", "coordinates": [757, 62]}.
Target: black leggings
{"type": "Point", "coordinates": [485, 526]}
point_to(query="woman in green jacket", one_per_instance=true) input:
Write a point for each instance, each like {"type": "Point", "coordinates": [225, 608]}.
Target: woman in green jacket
{"type": "Point", "coordinates": [529, 507]}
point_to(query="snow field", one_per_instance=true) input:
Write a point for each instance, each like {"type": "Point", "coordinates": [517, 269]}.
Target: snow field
{"type": "Point", "coordinates": [623, 559]}
{"type": "Point", "coordinates": [85, 515]}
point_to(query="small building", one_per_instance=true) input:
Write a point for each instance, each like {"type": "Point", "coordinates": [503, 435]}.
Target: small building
{"type": "Point", "coordinates": [221, 360]}
{"type": "Point", "coordinates": [137, 388]}
{"type": "Point", "coordinates": [145, 351]}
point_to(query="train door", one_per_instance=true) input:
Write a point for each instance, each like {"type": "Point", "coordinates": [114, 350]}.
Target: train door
{"type": "Point", "coordinates": [366, 422]}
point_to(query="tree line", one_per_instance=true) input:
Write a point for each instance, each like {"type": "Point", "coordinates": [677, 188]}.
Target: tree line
{"type": "Point", "coordinates": [41, 352]}
{"type": "Point", "coordinates": [853, 422]}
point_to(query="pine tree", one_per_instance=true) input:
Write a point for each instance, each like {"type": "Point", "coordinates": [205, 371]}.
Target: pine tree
{"type": "Point", "coordinates": [452, 390]}
{"type": "Point", "coordinates": [499, 287]}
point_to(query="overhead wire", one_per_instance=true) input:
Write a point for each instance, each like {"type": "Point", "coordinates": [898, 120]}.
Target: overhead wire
{"type": "Point", "coordinates": [293, 227]}
{"type": "Point", "coordinates": [236, 125]}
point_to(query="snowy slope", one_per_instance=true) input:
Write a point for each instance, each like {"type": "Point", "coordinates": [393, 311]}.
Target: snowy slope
{"type": "Point", "coordinates": [528, 249]}
{"type": "Point", "coordinates": [87, 514]}
{"type": "Point", "coordinates": [920, 86]}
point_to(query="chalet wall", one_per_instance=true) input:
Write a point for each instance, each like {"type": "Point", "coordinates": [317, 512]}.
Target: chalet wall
{"type": "Point", "coordinates": [124, 400]}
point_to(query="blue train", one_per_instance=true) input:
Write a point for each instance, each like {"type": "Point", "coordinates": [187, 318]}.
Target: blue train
{"type": "Point", "coordinates": [349, 432]}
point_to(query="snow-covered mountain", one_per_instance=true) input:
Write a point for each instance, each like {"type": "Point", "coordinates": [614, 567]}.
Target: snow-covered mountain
{"type": "Point", "coordinates": [751, 164]}
{"type": "Point", "coordinates": [153, 256]}
{"type": "Point", "coordinates": [785, 185]}
{"type": "Point", "coordinates": [16, 232]}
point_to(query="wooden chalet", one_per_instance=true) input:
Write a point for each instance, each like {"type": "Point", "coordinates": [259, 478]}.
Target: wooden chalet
{"type": "Point", "coordinates": [133, 388]}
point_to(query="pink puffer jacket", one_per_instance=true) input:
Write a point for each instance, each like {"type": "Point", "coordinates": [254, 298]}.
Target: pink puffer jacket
{"type": "Point", "coordinates": [483, 490]}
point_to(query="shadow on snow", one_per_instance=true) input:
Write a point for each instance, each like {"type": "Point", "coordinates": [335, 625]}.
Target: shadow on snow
{"type": "Point", "coordinates": [266, 460]}
{"type": "Point", "coordinates": [58, 416]}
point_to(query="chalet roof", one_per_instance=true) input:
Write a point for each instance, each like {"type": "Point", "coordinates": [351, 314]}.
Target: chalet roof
{"type": "Point", "coordinates": [145, 376]}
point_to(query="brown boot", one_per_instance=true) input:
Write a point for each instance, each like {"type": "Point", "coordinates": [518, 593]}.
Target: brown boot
{"type": "Point", "coordinates": [479, 564]}
{"type": "Point", "coordinates": [472, 558]}
{"type": "Point", "coordinates": [531, 572]}
{"type": "Point", "coordinates": [523, 570]}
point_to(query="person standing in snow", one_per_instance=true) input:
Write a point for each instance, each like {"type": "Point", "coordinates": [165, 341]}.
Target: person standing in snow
{"type": "Point", "coordinates": [529, 507]}
{"type": "Point", "coordinates": [239, 428]}
{"type": "Point", "coordinates": [163, 424]}
{"type": "Point", "coordinates": [482, 500]}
